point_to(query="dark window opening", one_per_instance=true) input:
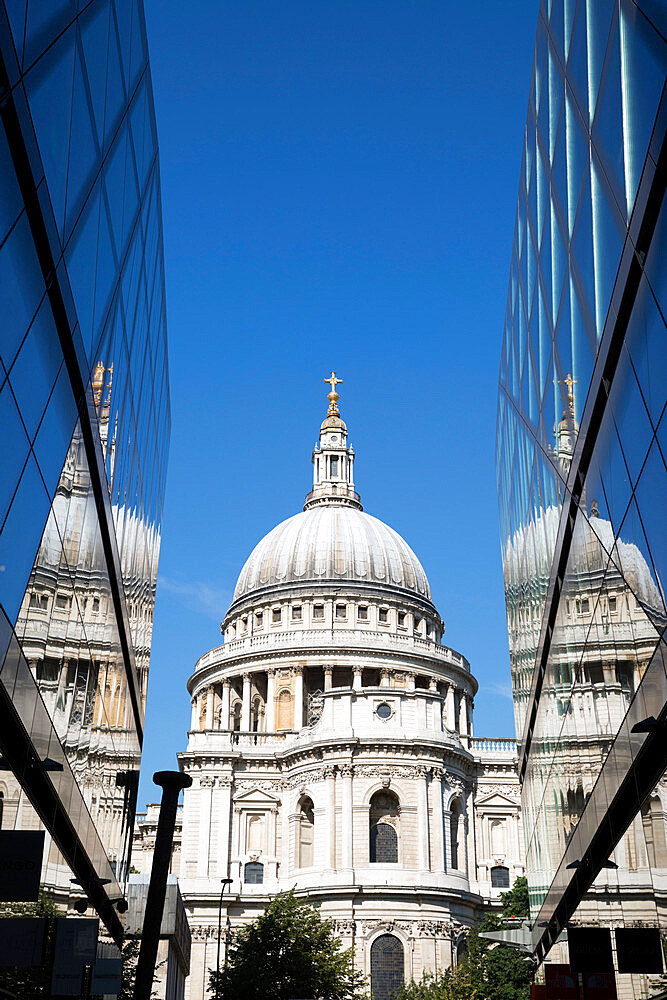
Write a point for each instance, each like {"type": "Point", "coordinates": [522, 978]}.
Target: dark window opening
{"type": "Point", "coordinates": [500, 877]}
{"type": "Point", "coordinates": [387, 967]}
{"type": "Point", "coordinates": [384, 844]}
{"type": "Point", "coordinates": [253, 873]}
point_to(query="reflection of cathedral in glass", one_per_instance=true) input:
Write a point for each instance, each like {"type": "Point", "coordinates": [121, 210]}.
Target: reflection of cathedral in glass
{"type": "Point", "coordinates": [581, 473]}
{"type": "Point", "coordinates": [84, 427]}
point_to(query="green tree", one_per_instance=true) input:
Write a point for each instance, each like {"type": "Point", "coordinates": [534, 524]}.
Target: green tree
{"type": "Point", "coordinates": [288, 952]}
{"type": "Point", "coordinates": [486, 971]}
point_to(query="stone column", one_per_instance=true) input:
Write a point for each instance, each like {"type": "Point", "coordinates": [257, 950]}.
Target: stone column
{"type": "Point", "coordinates": [437, 790]}
{"type": "Point", "coordinates": [384, 678]}
{"type": "Point", "coordinates": [463, 722]}
{"type": "Point", "coordinates": [347, 771]}
{"type": "Point", "coordinates": [237, 842]}
{"type": "Point", "coordinates": [449, 702]}
{"type": "Point", "coordinates": [271, 701]}
{"type": "Point", "coordinates": [224, 710]}
{"type": "Point", "coordinates": [245, 704]}
{"type": "Point", "coordinates": [411, 681]}
{"type": "Point", "coordinates": [224, 808]}
{"type": "Point", "coordinates": [209, 708]}
{"type": "Point", "coordinates": [356, 678]}
{"type": "Point", "coordinates": [298, 699]}
{"type": "Point", "coordinates": [516, 843]}
{"type": "Point", "coordinates": [101, 687]}
{"type": "Point", "coordinates": [205, 792]}
{"type": "Point", "coordinates": [471, 853]}
{"type": "Point", "coordinates": [328, 678]}
{"type": "Point", "coordinates": [193, 717]}
{"type": "Point", "coordinates": [329, 775]}
{"type": "Point", "coordinates": [471, 705]}
{"type": "Point", "coordinates": [422, 820]}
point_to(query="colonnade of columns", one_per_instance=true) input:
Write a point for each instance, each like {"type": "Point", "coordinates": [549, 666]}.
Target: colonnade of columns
{"type": "Point", "coordinates": [457, 712]}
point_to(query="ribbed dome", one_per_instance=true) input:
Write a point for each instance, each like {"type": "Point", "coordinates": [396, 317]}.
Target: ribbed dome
{"type": "Point", "coordinates": [332, 543]}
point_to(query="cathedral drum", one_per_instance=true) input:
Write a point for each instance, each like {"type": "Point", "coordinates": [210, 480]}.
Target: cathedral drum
{"type": "Point", "coordinates": [331, 747]}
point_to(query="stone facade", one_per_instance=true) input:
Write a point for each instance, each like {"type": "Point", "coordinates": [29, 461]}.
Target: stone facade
{"type": "Point", "coordinates": [332, 750]}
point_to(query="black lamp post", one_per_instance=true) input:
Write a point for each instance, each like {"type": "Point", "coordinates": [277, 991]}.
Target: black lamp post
{"type": "Point", "coordinates": [172, 783]}
{"type": "Point", "coordinates": [224, 882]}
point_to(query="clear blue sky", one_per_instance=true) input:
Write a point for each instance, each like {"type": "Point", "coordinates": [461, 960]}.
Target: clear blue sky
{"type": "Point", "coordinates": [339, 183]}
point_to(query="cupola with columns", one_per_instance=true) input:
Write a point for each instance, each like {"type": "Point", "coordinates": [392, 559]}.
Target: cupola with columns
{"type": "Point", "coordinates": [333, 461]}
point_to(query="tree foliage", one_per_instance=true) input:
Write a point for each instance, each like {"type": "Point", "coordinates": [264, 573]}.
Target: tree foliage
{"type": "Point", "coordinates": [487, 971]}
{"type": "Point", "coordinates": [288, 952]}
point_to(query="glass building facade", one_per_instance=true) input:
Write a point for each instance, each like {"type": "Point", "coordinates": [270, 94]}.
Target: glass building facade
{"type": "Point", "coordinates": [581, 452]}
{"type": "Point", "coordinates": [84, 429]}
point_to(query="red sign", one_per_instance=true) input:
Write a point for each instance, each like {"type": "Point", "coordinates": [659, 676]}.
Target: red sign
{"type": "Point", "coordinates": [599, 986]}
{"type": "Point", "coordinates": [561, 982]}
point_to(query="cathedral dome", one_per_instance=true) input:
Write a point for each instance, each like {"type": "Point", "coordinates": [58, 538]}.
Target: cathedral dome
{"type": "Point", "coordinates": [332, 542]}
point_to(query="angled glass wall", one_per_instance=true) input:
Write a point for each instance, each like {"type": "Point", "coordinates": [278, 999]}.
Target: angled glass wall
{"type": "Point", "coordinates": [581, 450]}
{"type": "Point", "coordinates": [84, 429]}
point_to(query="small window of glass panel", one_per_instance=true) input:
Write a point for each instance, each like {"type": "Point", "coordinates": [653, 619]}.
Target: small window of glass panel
{"type": "Point", "coordinates": [362, 613]}
{"type": "Point", "coordinates": [383, 711]}
{"type": "Point", "coordinates": [259, 619]}
{"type": "Point", "coordinates": [500, 877]}
{"type": "Point", "coordinates": [383, 615]}
{"type": "Point", "coordinates": [401, 619]}
{"type": "Point", "coordinates": [277, 615]}
{"type": "Point", "coordinates": [297, 613]}
{"type": "Point", "coordinates": [341, 611]}
{"type": "Point", "coordinates": [384, 844]}
{"type": "Point", "coordinates": [318, 611]}
{"type": "Point", "coordinates": [253, 873]}
{"type": "Point", "coordinates": [334, 466]}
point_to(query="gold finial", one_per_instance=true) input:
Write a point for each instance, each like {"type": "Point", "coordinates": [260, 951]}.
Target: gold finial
{"type": "Point", "coordinates": [109, 384]}
{"type": "Point", "coordinates": [98, 383]}
{"type": "Point", "coordinates": [333, 396]}
{"type": "Point", "coordinates": [569, 382]}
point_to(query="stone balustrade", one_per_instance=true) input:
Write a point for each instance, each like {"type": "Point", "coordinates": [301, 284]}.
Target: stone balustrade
{"type": "Point", "coordinates": [315, 638]}
{"type": "Point", "coordinates": [494, 745]}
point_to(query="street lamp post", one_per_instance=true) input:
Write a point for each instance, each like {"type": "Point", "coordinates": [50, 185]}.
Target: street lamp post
{"type": "Point", "coordinates": [224, 882]}
{"type": "Point", "coordinates": [172, 783]}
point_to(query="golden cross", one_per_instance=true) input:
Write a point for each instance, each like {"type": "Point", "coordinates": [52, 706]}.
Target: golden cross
{"type": "Point", "coordinates": [569, 382]}
{"type": "Point", "coordinates": [333, 381]}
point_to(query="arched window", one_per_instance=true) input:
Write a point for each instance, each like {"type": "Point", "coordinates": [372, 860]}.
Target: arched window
{"type": "Point", "coordinates": [383, 828]}
{"type": "Point", "coordinates": [284, 713]}
{"type": "Point", "coordinates": [653, 819]}
{"type": "Point", "coordinates": [256, 712]}
{"type": "Point", "coordinates": [306, 833]}
{"type": "Point", "coordinates": [500, 877]}
{"type": "Point", "coordinates": [387, 967]}
{"type": "Point", "coordinates": [236, 717]}
{"type": "Point", "coordinates": [456, 834]}
{"type": "Point", "coordinates": [253, 873]}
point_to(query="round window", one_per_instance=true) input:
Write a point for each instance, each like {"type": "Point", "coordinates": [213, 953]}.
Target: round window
{"type": "Point", "coordinates": [383, 711]}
